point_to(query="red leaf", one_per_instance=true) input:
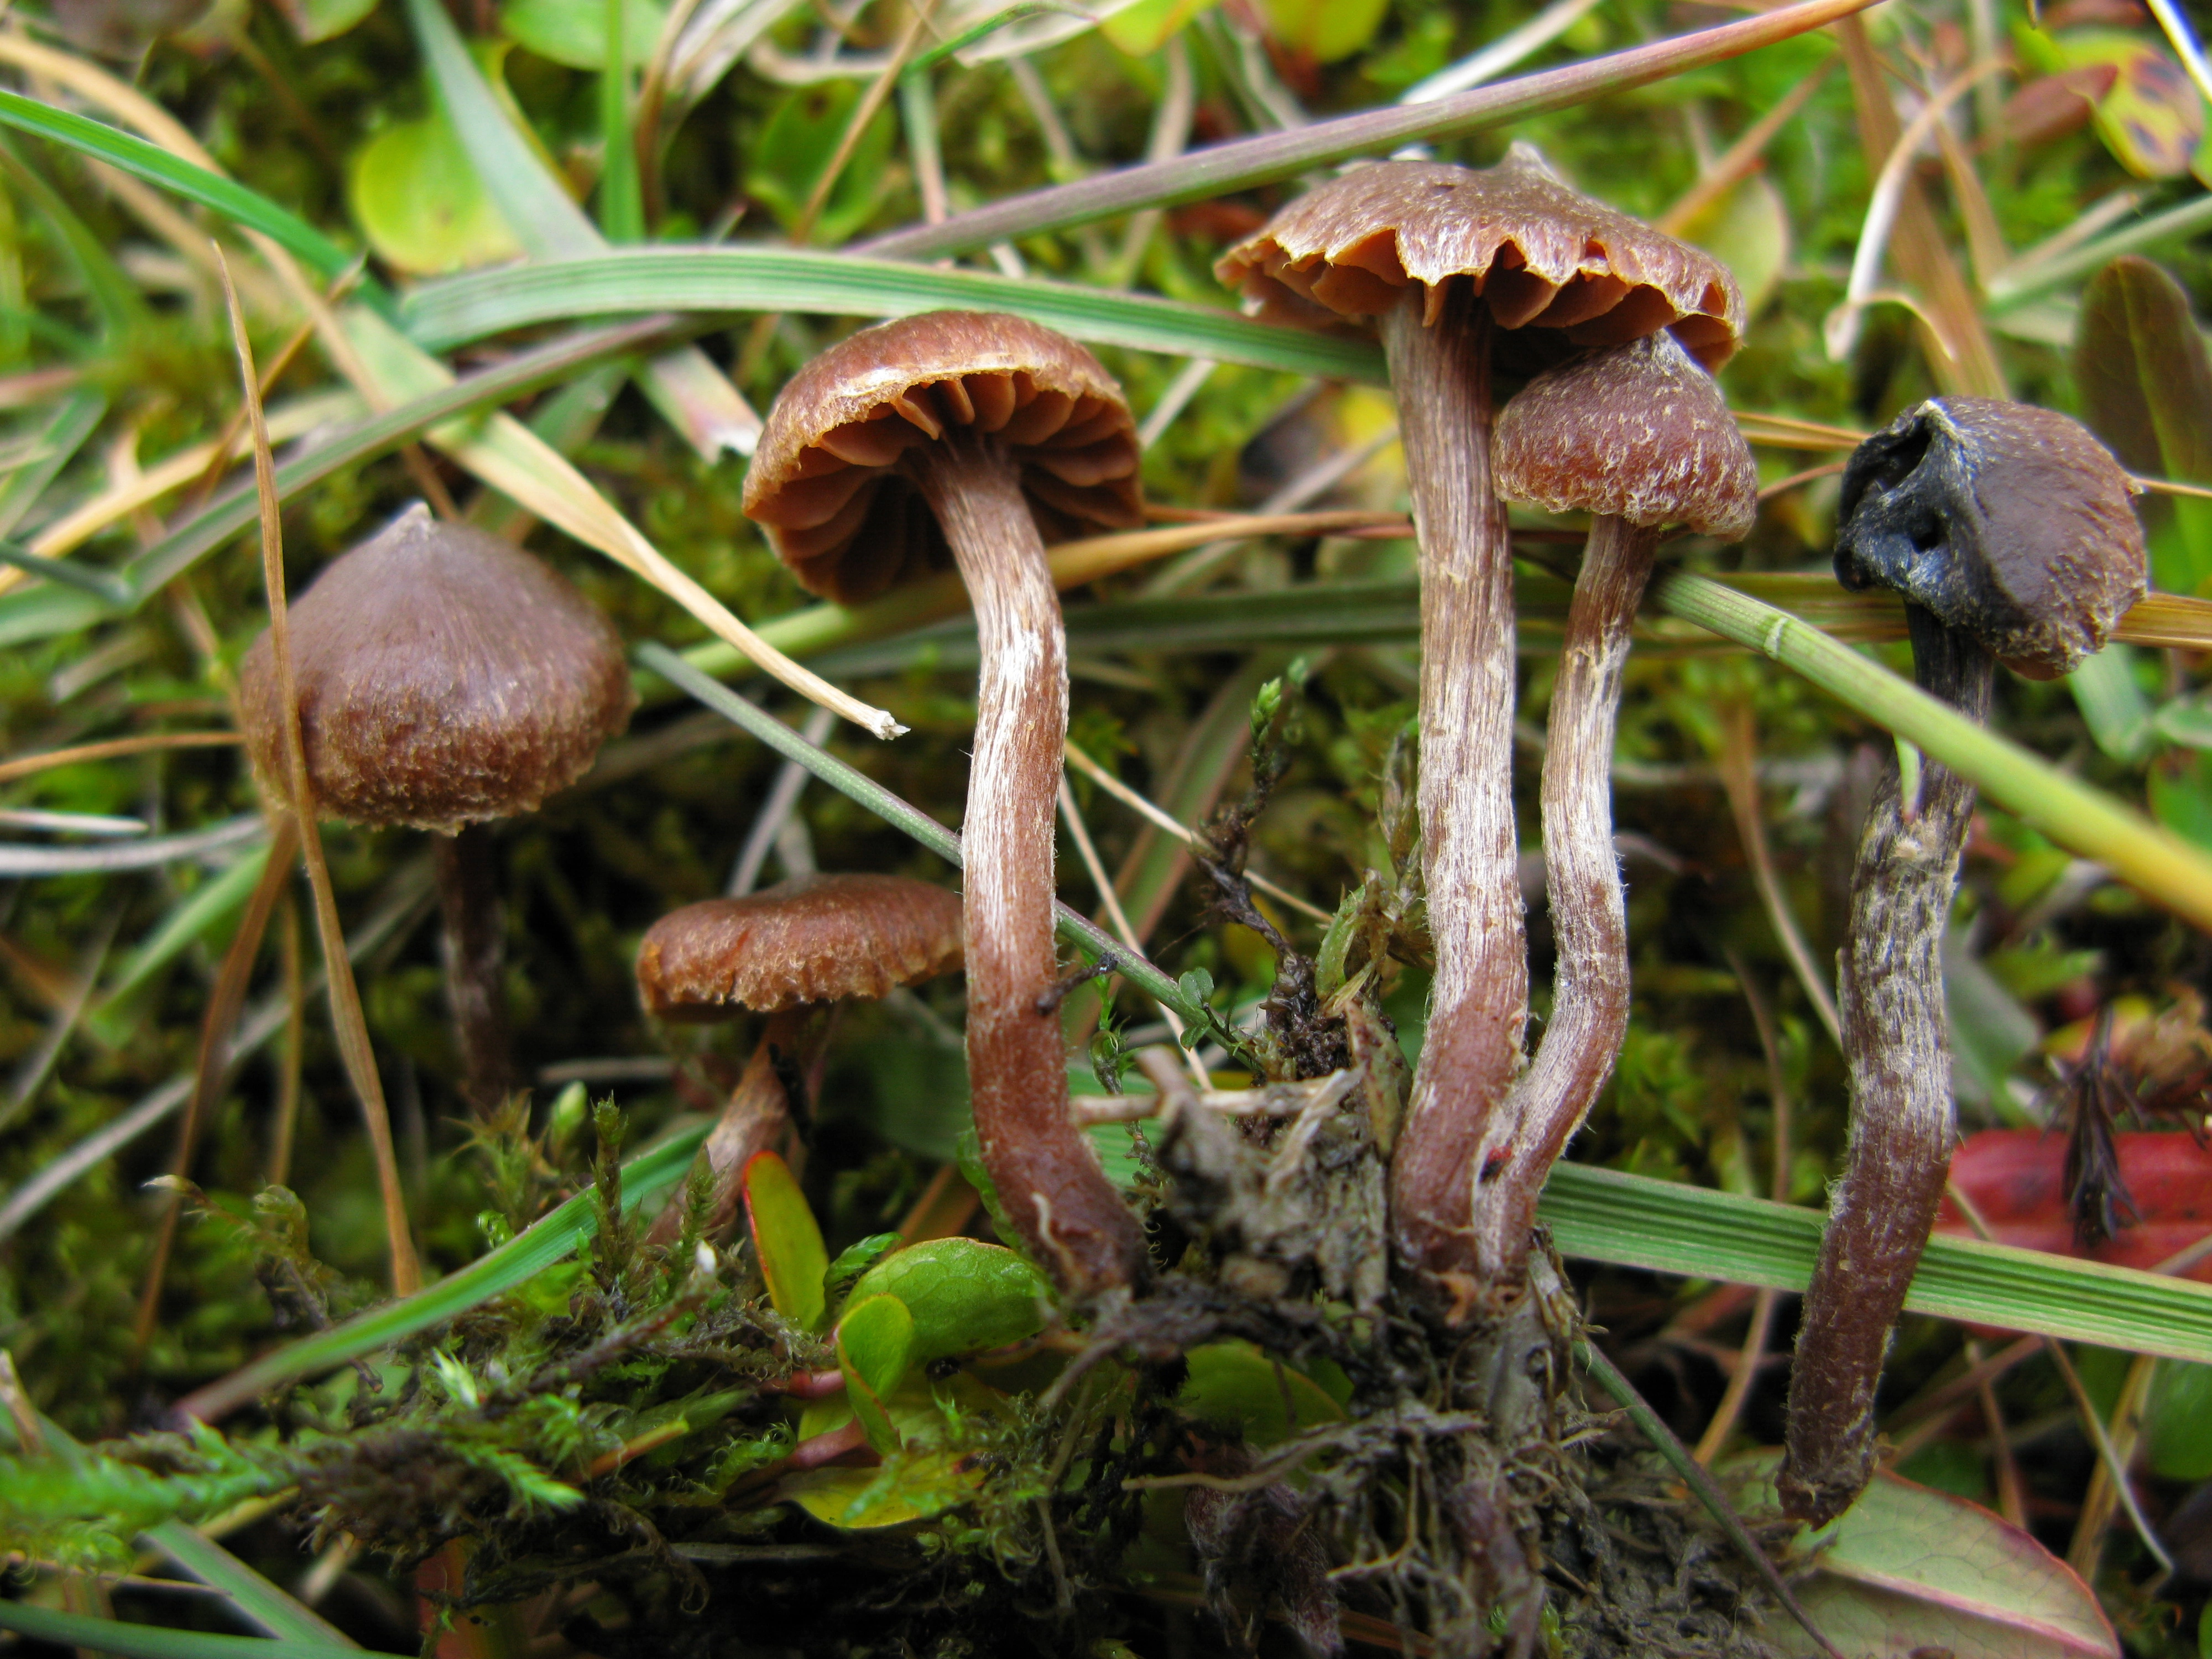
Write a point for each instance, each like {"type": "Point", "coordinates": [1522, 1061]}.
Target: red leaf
{"type": "Point", "coordinates": [2015, 1178]}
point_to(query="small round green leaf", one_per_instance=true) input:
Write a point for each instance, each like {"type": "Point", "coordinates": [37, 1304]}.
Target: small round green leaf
{"type": "Point", "coordinates": [965, 1296]}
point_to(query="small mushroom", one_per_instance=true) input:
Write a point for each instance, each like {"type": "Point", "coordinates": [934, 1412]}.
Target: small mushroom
{"type": "Point", "coordinates": [1639, 437]}
{"type": "Point", "coordinates": [2007, 531]}
{"type": "Point", "coordinates": [445, 679]}
{"type": "Point", "coordinates": [789, 951]}
{"type": "Point", "coordinates": [1463, 272]}
{"type": "Point", "coordinates": [979, 435]}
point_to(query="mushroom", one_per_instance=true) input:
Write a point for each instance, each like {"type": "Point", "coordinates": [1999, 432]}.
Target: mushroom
{"type": "Point", "coordinates": [1639, 436]}
{"type": "Point", "coordinates": [787, 951]}
{"type": "Point", "coordinates": [978, 435]}
{"type": "Point", "coordinates": [445, 679]}
{"type": "Point", "coordinates": [1464, 272]}
{"type": "Point", "coordinates": [2007, 531]}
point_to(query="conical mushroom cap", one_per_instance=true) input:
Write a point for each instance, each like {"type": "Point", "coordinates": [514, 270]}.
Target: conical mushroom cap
{"type": "Point", "coordinates": [2006, 520]}
{"type": "Point", "coordinates": [444, 678]}
{"type": "Point", "coordinates": [1639, 432]}
{"type": "Point", "coordinates": [1559, 271]}
{"type": "Point", "coordinates": [812, 939]}
{"type": "Point", "coordinates": [826, 479]}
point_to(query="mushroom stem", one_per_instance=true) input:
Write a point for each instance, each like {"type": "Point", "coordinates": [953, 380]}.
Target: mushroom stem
{"type": "Point", "coordinates": [1440, 371]}
{"type": "Point", "coordinates": [1590, 1009]}
{"type": "Point", "coordinates": [753, 1120]}
{"type": "Point", "coordinates": [1896, 1043]}
{"type": "Point", "coordinates": [1047, 1176]}
{"type": "Point", "coordinates": [475, 957]}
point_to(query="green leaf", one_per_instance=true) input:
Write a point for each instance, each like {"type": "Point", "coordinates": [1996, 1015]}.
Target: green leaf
{"type": "Point", "coordinates": [850, 1262]}
{"type": "Point", "coordinates": [788, 1242]}
{"type": "Point", "coordinates": [802, 137]}
{"type": "Point", "coordinates": [1234, 1385]}
{"type": "Point", "coordinates": [460, 309]}
{"type": "Point", "coordinates": [1147, 26]}
{"type": "Point", "coordinates": [926, 1473]}
{"type": "Point", "coordinates": [2152, 116]}
{"type": "Point", "coordinates": [2146, 385]}
{"type": "Point", "coordinates": [2112, 705]}
{"type": "Point", "coordinates": [574, 31]}
{"type": "Point", "coordinates": [1665, 1226]}
{"type": "Point", "coordinates": [1325, 31]}
{"type": "Point", "coordinates": [2177, 1422]}
{"type": "Point", "coordinates": [506, 155]}
{"type": "Point", "coordinates": [875, 1345]}
{"type": "Point", "coordinates": [2186, 721]}
{"type": "Point", "coordinates": [315, 20]}
{"type": "Point", "coordinates": [965, 1296]}
{"type": "Point", "coordinates": [1906, 1570]}
{"type": "Point", "coordinates": [421, 205]}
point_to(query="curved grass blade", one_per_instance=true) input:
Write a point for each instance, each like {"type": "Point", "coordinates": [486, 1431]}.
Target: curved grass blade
{"type": "Point", "coordinates": [1671, 1227]}
{"type": "Point", "coordinates": [2156, 863]}
{"type": "Point", "coordinates": [458, 309]}
{"type": "Point", "coordinates": [530, 1252]}
{"type": "Point", "coordinates": [1249, 162]}
{"type": "Point", "coordinates": [157, 166]}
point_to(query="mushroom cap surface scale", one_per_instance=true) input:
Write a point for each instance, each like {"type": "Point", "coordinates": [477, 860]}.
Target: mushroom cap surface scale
{"type": "Point", "coordinates": [1639, 432]}
{"type": "Point", "coordinates": [827, 478]}
{"type": "Point", "coordinates": [444, 678]}
{"type": "Point", "coordinates": [812, 939]}
{"type": "Point", "coordinates": [1557, 271]}
{"type": "Point", "coordinates": [2006, 520]}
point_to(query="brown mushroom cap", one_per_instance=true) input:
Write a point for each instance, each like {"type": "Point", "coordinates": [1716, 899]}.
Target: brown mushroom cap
{"type": "Point", "coordinates": [1559, 271]}
{"type": "Point", "coordinates": [827, 481]}
{"type": "Point", "coordinates": [812, 939]}
{"type": "Point", "coordinates": [1639, 432]}
{"type": "Point", "coordinates": [444, 678]}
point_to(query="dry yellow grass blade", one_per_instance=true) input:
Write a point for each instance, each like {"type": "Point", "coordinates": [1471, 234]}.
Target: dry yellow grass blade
{"type": "Point", "coordinates": [387, 368]}
{"type": "Point", "coordinates": [345, 996]}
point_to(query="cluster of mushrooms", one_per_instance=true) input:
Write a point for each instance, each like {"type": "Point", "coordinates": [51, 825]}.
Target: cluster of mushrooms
{"type": "Point", "coordinates": [444, 678]}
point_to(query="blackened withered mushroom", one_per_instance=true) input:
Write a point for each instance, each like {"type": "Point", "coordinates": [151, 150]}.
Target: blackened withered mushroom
{"type": "Point", "coordinates": [1460, 271]}
{"type": "Point", "coordinates": [2007, 531]}
{"type": "Point", "coordinates": [789, 951]}
{"type": "Point", "coordinates": [445, 679]}
{"type": "Point", "coordinates": [979, 435]}
{"type": "Point", "coordinates": [1639, 437]}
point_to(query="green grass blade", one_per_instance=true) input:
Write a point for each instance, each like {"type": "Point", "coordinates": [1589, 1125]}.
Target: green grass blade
{"type": "Point", "coordinates": [1249, 162]}
{"type": "Point", "coordinates": [530, 1252]}
{"type": "Point", "coordinates": [77, 420]}
{"type": "Point", "coordinates": [254, 1598]}
{"type": "Point", "coordinates": [2158, 864]}
{"type": "Point", "coordinates": [530, 199]}
{"type": "Point", "coordinates": [1077, 930]}
{"type": "Point", "coordinates": [42, 612]}
{"type": "Point", "coordinates": [1670, 1227]}
{"type": "Point", "coordinates": [458, 309]}
{"type": "Point", "coordinates": [157, 166]}
{"type": "Point", "coordinates": [2016, 285]}
{"type": "Point", "coordinates": [92, 1635]}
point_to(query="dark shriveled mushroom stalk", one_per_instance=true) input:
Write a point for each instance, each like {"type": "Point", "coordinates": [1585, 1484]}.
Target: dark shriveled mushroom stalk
{"type": "Point", "coordinates": [974, 434]}
{"type": "Point", "coordinates": [1462, 272]}
{"type": "Point", "coordinates": [2008, 531]}
{"type": "Point", "coordinates": [1638, 437]}
{"type": "Point", "coordinates": [789, 952]}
